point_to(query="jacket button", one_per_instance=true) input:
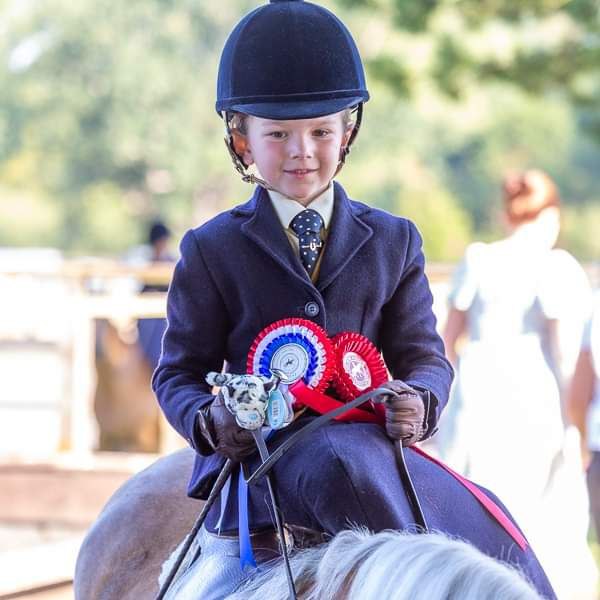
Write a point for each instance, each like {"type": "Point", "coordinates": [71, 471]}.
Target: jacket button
{"type": "Point", "coordinates": [311, 309]}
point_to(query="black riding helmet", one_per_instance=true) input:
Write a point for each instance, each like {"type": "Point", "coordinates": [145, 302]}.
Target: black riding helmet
{"type": "Point", "coordinates": [289, 59]}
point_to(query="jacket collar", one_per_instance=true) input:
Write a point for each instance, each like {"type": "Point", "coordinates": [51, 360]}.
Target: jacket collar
{"type": "Point", "coordinates": [348, 233]}
{"type": "Point", "coordinates": [287, 209]}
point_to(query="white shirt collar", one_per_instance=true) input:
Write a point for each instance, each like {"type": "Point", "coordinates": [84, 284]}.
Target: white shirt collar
{"type": "Point", "coordinates": [287, 209]}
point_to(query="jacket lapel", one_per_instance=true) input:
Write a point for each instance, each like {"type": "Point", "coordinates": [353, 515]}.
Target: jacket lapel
{"type": "Point", "coordinates": [347, 234]}
{"type": "Point", "coordinates": [264, 229]}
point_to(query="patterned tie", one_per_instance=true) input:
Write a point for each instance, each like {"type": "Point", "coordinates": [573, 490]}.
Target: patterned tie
{"type": "Point", "coordinates": [307, 226]}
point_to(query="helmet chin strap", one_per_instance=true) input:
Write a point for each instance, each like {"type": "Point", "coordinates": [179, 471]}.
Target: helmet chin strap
{"type": "Point", "coordinates": [239, 165]}
{"type": "Point", "coordinates": [242, 169]}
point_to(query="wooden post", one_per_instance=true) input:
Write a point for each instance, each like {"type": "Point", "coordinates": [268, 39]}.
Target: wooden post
{"type": "Point", "coordinates": [83, 430]}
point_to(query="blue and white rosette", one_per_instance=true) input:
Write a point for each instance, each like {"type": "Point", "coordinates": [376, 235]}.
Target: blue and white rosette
{"type": "Point", "coordinates": [297, 347]}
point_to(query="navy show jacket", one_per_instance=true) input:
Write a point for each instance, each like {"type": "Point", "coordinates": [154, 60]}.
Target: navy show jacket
{"type": "Point", "coordinates": [238, 273]}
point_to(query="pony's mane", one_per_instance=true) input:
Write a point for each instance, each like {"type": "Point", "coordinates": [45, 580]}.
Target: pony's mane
{"type": "Point", "coordinates": [391, 565]}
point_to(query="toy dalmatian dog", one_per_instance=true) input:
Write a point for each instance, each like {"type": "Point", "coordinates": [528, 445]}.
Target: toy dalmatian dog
{"type": "Point", "coordinates": [246, 396]}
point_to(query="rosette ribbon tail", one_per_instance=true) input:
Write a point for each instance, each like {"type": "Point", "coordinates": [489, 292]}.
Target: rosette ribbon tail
{"type": "Point", "coordinates": [322, 404]}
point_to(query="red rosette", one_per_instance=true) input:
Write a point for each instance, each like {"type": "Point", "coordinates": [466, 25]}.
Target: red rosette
{"type": "Point", "coordinates": [309, 338]}
{"type": "Point", "coordinates": [359, 366]}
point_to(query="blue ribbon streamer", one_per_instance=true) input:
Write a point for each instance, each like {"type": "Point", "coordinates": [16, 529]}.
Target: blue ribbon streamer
{"type": "Point", "coordinates": [246, 552]}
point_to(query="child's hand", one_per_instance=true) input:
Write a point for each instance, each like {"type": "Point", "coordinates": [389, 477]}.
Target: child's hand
{"type": "Point", "coordinates": [228, 438]}
{"type": "Point", "coordinates": [404, 415]}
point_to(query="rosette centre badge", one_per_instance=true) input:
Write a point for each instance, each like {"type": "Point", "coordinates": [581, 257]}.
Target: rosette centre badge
{"type": "Point", "coordinates": [293, 360]}
{"type": "Point", "coordinates": [357, 369]}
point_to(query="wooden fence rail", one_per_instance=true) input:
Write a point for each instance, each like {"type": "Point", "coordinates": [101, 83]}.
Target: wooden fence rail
{"type": "Point", "coordinates": [93, 290]}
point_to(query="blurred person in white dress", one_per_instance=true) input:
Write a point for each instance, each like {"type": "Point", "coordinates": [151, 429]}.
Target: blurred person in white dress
{"type": "Point", "coordinates": [521, 305]}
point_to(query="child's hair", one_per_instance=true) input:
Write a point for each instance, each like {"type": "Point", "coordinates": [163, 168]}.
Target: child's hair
{"type": "Point", "coordinates": [237, 121]}
{"type": "Point", "coordinates": [527, 194]}
{"type": "Point", "coordinates": [359, 565]}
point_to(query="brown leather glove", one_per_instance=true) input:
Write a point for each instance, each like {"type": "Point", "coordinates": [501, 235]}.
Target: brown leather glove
{"type": "Point", "coordinates": [404, 415]}
{"type": "Point", "coordinates": [218, 428]}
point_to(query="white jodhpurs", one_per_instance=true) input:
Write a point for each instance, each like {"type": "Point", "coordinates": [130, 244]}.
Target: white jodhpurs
{"type": "Point", "coordinates": [212, 575]}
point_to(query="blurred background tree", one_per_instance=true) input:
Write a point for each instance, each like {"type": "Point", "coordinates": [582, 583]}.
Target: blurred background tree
{"type": "Point", "coordinates": [107, 115]}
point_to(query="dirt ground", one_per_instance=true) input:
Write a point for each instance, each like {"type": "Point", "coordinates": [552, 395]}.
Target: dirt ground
{"type": "Point", "coordinates": [62, 592]}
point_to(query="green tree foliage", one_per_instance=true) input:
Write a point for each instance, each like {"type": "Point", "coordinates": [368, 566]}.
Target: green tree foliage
{"type": "Point", "coordinates": [445, 227]}
{"type": "Point", "coordinates": [539, 45]}
{"type": "Point", "coordinates": [107, 114]}
{"type": "Point", "coordinates": [580, 231]}
{"type": "Point", "coordinates": [116, 97]}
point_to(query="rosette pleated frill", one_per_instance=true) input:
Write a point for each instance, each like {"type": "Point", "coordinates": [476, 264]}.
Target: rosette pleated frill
{"type": "Point", "coordinates": [359, 366]}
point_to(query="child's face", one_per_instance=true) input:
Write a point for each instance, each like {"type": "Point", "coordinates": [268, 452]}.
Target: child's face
{"type": "Point", "coordinates": [297, 158]}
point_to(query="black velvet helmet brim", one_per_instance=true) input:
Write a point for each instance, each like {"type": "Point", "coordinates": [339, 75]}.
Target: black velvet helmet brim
{"type": "Point", "coordinates": [298, 110]}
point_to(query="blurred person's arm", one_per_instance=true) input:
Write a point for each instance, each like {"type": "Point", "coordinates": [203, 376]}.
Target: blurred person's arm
{"type": "Point", "coordinates": [456, 326]}
{"type": "Point", "coordinates": [579, 398]}
{"type": "Point", "coordinates": [581, 391]}
{"type": "Point", "coordinates": [463, 289]}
